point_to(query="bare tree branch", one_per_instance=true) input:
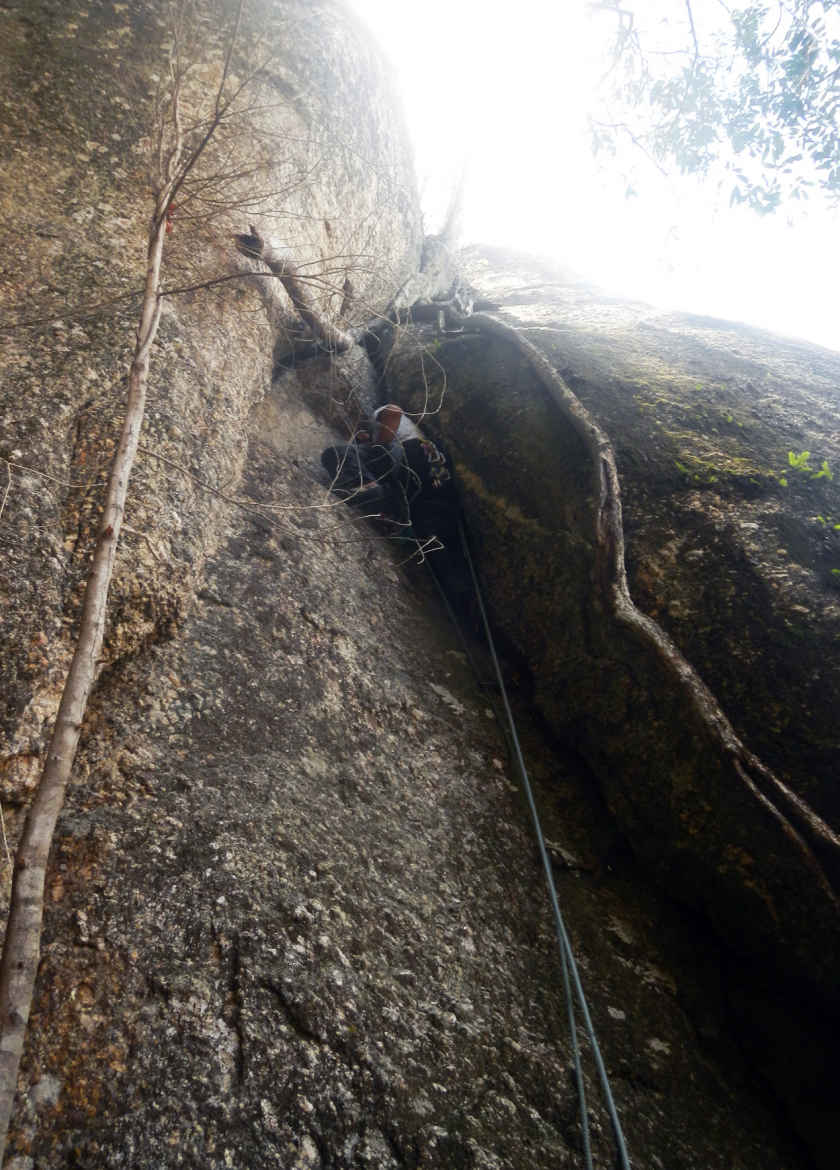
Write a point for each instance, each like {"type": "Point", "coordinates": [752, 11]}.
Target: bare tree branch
{"type": "Point", "coordinates": [21, 948]}
{"type": "Point", "coordinates": [280, 261]}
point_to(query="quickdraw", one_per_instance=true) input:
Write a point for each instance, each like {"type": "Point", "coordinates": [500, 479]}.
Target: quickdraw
{"type": "Point", "coordinates": [436, 459]}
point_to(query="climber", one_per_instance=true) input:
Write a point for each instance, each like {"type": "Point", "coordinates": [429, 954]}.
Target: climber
{"type": "Point", "coordinates": [400, 470]}
{"type": "Point", "coordinates": [394, 464]}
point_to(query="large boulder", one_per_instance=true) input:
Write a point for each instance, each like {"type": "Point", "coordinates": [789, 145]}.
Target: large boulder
{"type": "Point", "coordinates": [293, 917]}
{"type": "Point", "coordinates": [702, 688]}
{"type": "Point", "coordinates": [316, 154]}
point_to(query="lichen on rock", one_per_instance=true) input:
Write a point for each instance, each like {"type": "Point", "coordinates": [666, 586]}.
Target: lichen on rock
{"type": "Point", "coordinates": [646, 701]}
{"type": "Point", "coordinates": [293, 914]}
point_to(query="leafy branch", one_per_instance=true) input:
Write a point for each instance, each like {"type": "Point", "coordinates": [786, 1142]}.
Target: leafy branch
{"type": "Point", "coordinates": [760, 98]}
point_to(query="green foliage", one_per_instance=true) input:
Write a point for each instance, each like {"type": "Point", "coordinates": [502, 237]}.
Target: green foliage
{"type": "Point", "coordinates": [754, 89]}
{"type": "Point", "coordinates": [800, 463]}
{"type": "Point", "coordinates": [824, 472]}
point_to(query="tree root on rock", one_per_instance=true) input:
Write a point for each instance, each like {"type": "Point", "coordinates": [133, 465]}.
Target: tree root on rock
{"type": "Point", "coordinates": [817, 843]}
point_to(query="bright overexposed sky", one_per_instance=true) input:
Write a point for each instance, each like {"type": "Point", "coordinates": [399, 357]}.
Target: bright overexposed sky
{"type": "Point", "coordinates": [508, 87]}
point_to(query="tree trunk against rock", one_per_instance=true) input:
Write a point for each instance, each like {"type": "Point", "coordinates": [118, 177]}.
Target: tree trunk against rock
{"type": "Point", "coordinates": [22, 942]}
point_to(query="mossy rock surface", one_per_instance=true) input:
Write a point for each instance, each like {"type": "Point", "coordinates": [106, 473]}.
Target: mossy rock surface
{"type": "Point", "coordinates": [730, 549]}
{"type": "Point", "coordinates": [759, 626]}
{"type": "Point", "coordinates": [735, 567]}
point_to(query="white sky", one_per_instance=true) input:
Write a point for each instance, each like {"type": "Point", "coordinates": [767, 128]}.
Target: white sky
{"type": "Point", "coordinates": [508, 87]}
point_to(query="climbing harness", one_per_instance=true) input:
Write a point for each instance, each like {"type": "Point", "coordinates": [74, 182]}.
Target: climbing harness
{"type": "Point", "coordinates": [567, 959]}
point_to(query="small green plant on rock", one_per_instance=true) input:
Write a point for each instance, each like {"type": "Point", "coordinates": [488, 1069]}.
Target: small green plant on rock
{"type": "Point", "coordinates": [800, 463]}
{"type": "Point", "coordinates": [824, 472]}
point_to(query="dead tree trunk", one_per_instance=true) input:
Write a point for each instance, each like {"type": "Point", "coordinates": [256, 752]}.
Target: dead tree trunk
{"type": "Point", "coordinates": [21, 949]}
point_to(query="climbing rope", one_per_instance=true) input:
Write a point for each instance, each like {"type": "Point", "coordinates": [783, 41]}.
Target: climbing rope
{"type": "Point", "coordinates": [567, 959]}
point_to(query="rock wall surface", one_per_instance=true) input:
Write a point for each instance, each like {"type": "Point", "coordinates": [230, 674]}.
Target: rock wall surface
{"type": "Point", "coordinates": [734, 552]}
{"type": "Point", "coordinates": [294, 917]}
{"type": "Point", "coordinates": [81, 87]}
{"type": "Point", "coordinates": [703, 417]}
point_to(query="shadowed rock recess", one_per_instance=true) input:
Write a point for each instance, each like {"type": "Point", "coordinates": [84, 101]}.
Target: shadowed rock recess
{"type": "Point", "coordinates": [294, 914]}
{"type": "Point", "coordinates": [708, 425]}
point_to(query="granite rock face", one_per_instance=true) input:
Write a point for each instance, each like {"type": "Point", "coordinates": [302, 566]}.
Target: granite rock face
{"type": "Point", "coordinates": [733, 551]}
{"type": "Point", "coordinates": [78, 157]}
{"type": "Point", "coordinates": [703, 417]}
{"type": "Point", "coordinates": [294, 915]}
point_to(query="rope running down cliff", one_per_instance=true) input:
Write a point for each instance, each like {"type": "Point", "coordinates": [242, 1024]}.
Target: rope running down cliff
{"type": "Point", "coordinates": [567, 959]}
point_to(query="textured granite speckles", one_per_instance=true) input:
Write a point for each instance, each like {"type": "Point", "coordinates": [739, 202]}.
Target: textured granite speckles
{"type": "Point", "coordinates": [295, 915]}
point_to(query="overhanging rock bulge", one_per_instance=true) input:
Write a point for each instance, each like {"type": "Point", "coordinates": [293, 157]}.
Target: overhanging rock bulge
{"type": "Point", "coordinates": [720, 829]}
{"type": "Point", "coordinates": [290, 914]}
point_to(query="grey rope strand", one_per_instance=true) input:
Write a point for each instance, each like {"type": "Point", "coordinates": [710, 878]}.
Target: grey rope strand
{"type": "Point", "coordinates": [562, 937]}
{"type": "Point", "coordinates": [570, 1006]}
{"type": "Point", "coordinates": [567, 990]}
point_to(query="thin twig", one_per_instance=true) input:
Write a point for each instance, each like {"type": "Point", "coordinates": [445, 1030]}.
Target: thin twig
{"type": "Point", "coordinates": [72, 314]}
{"type": "Point", "coordinates": [44, 475]}
{"type": "Point", "coordinates": [697, 53]}
{"type": "Point", "coordinates": [144, 536]}
{"type": "Point", "coordinates": [8, 486]}
{"type": "Point", "coordinates": [229, 54]}
{"type": "Point", "coordinates": [5, 841]}
{"type": "Point", "coordinates": [254, 508]}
